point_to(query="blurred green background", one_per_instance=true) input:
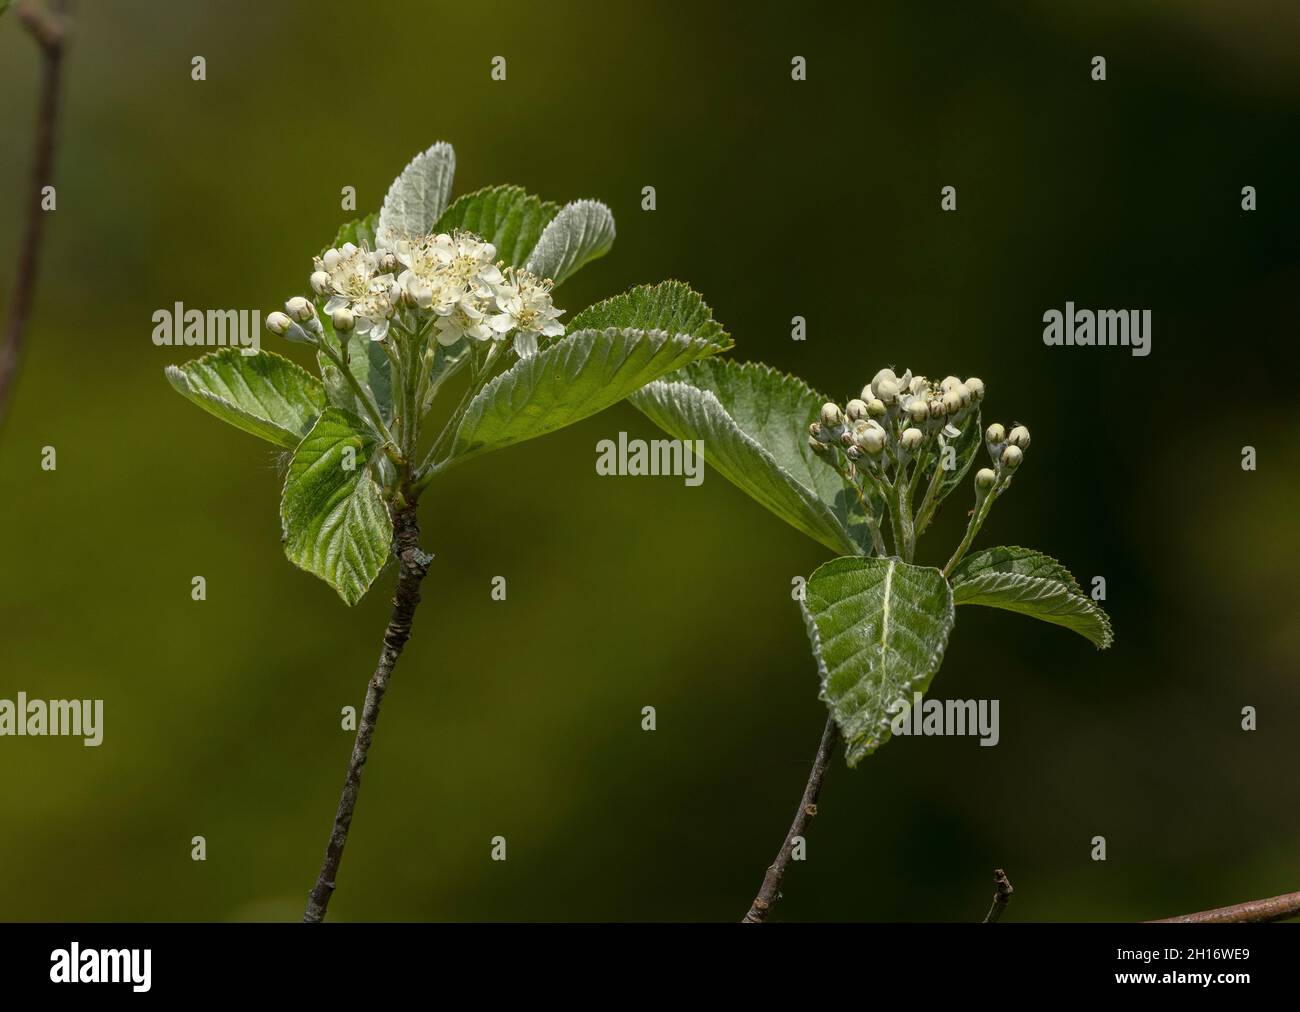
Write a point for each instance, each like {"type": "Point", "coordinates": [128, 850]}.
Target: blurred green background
{"type": "Point", "coordinates": [775, 199]}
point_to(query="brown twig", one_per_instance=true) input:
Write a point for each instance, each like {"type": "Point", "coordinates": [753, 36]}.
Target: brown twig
{"type": "Point", "coordinates": [1001, 896]}
{"type": "Point", "coordinates": [1275, 908]}
{"type": "Point", "coordinates": [50, 30]}
{"type": "Point", "coordinates": [770, 891]}
{"type": "Point", "coordinates": [414, 564]}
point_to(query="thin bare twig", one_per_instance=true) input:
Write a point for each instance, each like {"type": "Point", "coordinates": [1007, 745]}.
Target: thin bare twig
{"type": "Point", "coordinates": [770, 891]}
{"type": "Point", "coordinates": [50, 30]}
{"type": "Point", "coordinates": [1275, 908]}
{"type": "Point", "coordinates": [1001, 896]}
{"type": "Point", "coordinates": [414, 564]}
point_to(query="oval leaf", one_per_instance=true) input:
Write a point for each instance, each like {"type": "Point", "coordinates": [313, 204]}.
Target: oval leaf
{"type": "Point", "coordinates": [754, 424]}
{"type": "Point", "coordinates": [878, 629]}
{"type": "Point", "coordinates": [1032, 584]}
{"type": "Point", "coordinates": [336, 525]}
{"type": "Point", "coordinates": [670, 305]}
{"type": "Point", "coordinates": [580, 374]}
{"type": "Point", "coordinates": [581, 232]}
{"type": "Point", "coordinates": [418, 196]}
{"type": "Point", "coordinates": [264, 394]}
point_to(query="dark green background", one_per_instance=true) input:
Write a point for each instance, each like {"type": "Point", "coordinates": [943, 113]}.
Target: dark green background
{"type": "Point", "coordinates": [775, 198]}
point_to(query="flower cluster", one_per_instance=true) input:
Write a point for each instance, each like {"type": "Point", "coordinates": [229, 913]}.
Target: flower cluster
{"type": "Point", "coordinates": [900, 439]}
{"type": "Point", "coordinates": [895, 420]}
{"type": "Point", "coordinates": [451, 280]}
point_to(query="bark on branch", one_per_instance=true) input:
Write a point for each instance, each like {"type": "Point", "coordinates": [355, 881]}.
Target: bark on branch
{"type": "Point", "coordinates": [414, 564]}
{"type": "Point", "coordinates": [770, 891]}
{"type": "Point", "coordinates": [1275, 908]}
{"type": "Point", "coordinates": [50, 30]}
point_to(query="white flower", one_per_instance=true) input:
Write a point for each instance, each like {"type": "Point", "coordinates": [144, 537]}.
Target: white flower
{"type": "Point", "coordinates": [353, 277]}
{"type": "Point", "coordinates": [524, 306]}
{"type": "Point", "coordinates": [466, 319]}
{"type": "Point", "coordinates": [373, 311]}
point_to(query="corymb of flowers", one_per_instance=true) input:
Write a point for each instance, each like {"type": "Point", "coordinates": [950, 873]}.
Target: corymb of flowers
{"type": "Point", "coordinates": [866, 478]}
{"type": "Point", "coordinates": [424, 290]}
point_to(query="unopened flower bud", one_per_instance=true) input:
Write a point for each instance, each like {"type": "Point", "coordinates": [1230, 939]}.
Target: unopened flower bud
{"type": "Point", "coordinates": [1011, 457]}
{"type": "Point", "coordinates": [1019, 437]}
{"type": "Point", "coordinates": [846, 437]}
{"type": "Point", "coordinates": [937, 410]}
{"type": "Point", "coordinates": [918, 410]}
{"type": "Point", "coordinates": [880, 377]}
{"type": "Point", "coordinates": [300, 309]}
{"type": "Point", "coordinates": [343, 320]}
{"type": "Point", "coordinates": [976, 387]}
{"type": "Point", "coordinates": [876, 408]}
{"type": "Point", "coordinates": [985, 479]}
{"type": "Point", "coordinates": [951, 403]}
{"type": "Point", "coordinates": [816, 445]}
{"type": "Point", "coordinates": [886, 391]}
{"type": "Point", "coordinates": [855, 410]}
{"type": "Point", "coordinates": [831, 415]}
{"type": "Point", "coordinates": [330, 258]}
{"type": "Point", "coordinates": [948, 382]}
{"type": "Point", "coordinates": [815, 429]}
{"type": "Point", "coordinates": [278, 323]}
{"type": "Point", "coordinates": [911, 440]}
{"type": "Point", "coordinates": [387, 262]}
{"type": "Point", "coordinates": [320, 282]}
{"type": "Point", "coordinates": [853, 453]}
{"type": "Point", "coordinates": [995, 434]}
{"type": "Point", "coordinates": [963, 392]}
{"type": "Point", "coordinates": [872, 441]}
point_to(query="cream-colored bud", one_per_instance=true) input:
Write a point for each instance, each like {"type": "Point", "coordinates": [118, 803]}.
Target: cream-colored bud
{"type": "Point", "coordinates": [887, 391]}
{"type": "Point", "coordinates": [963, 391]}
{"type": "Point", "coordinates": [1011, 457]}
{"type": "Point", "coordinates": [387, 262]}
{"type": "Point", "coordinates": [976, 387]}
{"type": "Point", "coordinates": [951, 403]}
{"type": "Point", "coordinates": [880, 377]}
{"type": "Point", "coordinates": [853, 453]}
{"type": "Point", "coordinates": [948, 382]}
{"type": "Point", "coordinates": [918, 410]}
{"type": "Point", "coordinates": [278, 323]}
{"type": "Point", "coordinates": [855, 410]}
{"type": "Point", "coordinates": [343, 320]}
{"type": "Point", "coordinates": [873, 441]}
{"type": "Point", "coordinates": [985, 479]}
{"type": "Point", "coordinates": [831, 415]}
{"type": "Point", "coordinates": [300, 309]}
{"type": "Point", "coordinates": [330, 259]}
{"type": "Point", "coordinates": [995, 434]}
{"type": "Point", "coordinates": [876, 408]}
{"type": "Point", "coordinates": [1019, 437]}
{"type": "Point", "coordinates": [911, 440]}
{"type": "Point", "coordinates": [320, 282]}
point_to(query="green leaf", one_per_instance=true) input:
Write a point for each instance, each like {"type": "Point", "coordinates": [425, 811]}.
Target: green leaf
{"type": "Point", "coordinates": [360, 232]}
{"type": "Point", "coordinates": [670, 305]}
{"type": "Point", "coordinates": [418, 196]}
{"type": "Point", "coordinates": [582, 231]}
{"type": "Point", "coordinates": [507, 216]}
{"type": "Point", "coordinates": [878, 629]}
{"type": "Point", "coordinates": [754, 424]}
{"type": "Point", "coordinates": [264, 394]}
{"type": "Point", "coordinates": [336, 525]}
{"type": "Point", "coordinates": [1032, 584]}
{"type": "Point", "coordinates": [580, 374]}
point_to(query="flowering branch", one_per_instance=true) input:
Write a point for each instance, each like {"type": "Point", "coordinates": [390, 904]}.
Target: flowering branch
{"type": "Point", "coordinates": [50, 30]}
